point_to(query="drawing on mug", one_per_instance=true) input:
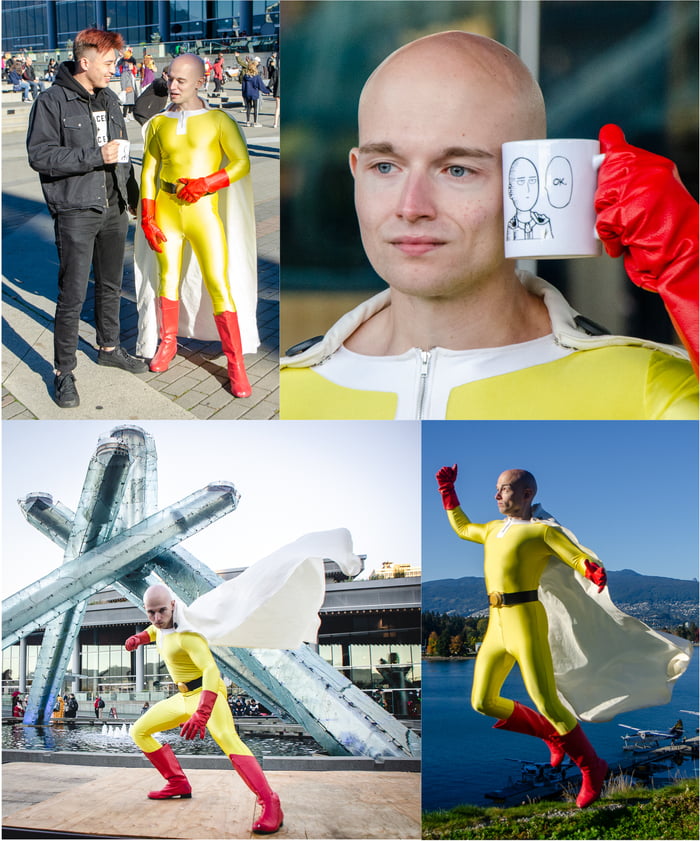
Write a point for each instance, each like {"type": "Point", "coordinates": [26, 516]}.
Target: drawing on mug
{"type": "Point", "coordinates": [524, 191]}
{"type": "Point", "coordinates": [559, 181]}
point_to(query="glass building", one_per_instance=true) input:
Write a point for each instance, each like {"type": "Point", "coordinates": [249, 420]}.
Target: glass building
{"type": "Point", "coordinates": [370, 632]}
{"type": "Point", "coordinates": [50, 25]}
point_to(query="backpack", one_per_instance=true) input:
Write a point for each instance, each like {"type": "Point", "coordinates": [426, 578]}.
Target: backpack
{"type": "Point", "coordinates": [101, 704]}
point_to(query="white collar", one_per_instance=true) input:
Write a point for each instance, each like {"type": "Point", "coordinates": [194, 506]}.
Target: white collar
{"type": "Point", "coordinates": [565, 329]}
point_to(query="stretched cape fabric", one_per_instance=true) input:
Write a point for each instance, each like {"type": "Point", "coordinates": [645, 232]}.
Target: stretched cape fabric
{"type": "Point", "coordinates": [274, 603]}
{"type": "Point", "coordinates": [237, 212]}
{"type": "Point", "coordinates": [605, 662]}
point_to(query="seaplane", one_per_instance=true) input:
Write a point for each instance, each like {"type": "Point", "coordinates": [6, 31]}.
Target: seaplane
{"type": "Point", "coordinates": [537, 780]}
{"type": "Point", "coordinates": [640, 741]}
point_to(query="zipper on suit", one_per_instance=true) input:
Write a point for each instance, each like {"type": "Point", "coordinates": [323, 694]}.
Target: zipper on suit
{"type": "Point", "coordinates": [425, 359]}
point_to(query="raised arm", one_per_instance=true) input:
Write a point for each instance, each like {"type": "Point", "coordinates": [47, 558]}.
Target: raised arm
{"type": "Point", "coordinates": [646, 215]}
{"type": "Point", "coordinates": [463, 526]}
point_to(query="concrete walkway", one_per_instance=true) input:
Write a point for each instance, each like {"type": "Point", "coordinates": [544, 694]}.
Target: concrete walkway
{"type": "Point", "coordinates": [196, 385]}
{"type": "Point", "coordinates": [109, 802]}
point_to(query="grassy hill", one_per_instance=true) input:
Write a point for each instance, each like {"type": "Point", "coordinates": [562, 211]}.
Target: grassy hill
{"type": "Point", "coordinates": [634, 813]}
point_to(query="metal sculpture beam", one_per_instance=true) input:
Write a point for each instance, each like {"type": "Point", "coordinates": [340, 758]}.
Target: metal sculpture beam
{"type": "Point", "coordinates": [118, 537]}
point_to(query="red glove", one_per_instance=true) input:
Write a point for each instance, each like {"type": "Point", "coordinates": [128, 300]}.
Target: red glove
{"type": "Point", "coordinates": [596, 573]}
{"type": "Point", "coordinates": [195, 188]}
{"type": "Point", "coordinates": [138, 639]}
{"type": "Point", "coordinates": [197, 723]}
{"type": "Point", "coordinates": [647, 215]}
{"type": "Point", "coordinates": [152, 232]}
{"type": "Point", "coordinates": [446, 477]}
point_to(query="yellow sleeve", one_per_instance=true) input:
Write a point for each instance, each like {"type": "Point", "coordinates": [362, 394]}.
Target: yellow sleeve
{"type": "Point", "coordinates": [671, 389]}
{"type": "Point", "coordinates": [235, 149]}
{"type": "Point", "coordinates": [566, 549]}
{"type": "Point", "coordinates": [151, 631]}
{"type": "Point", "coordinates": [151, 163]}
{"type": "Point", "coordinates": [200, 654]}
{"type": "Point", "coordinates": [476, 532]}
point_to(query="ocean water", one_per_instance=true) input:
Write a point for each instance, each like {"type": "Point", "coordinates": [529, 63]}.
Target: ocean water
{"type": "Point", "coordinates": [464, 757]}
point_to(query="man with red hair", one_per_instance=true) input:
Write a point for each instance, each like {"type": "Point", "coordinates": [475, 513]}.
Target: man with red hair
{"type": "Point", "coordinates": [73, 143]}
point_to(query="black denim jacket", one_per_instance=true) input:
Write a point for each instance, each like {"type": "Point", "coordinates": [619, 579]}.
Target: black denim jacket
{"type": "Point", "coordinates": [62, 147]}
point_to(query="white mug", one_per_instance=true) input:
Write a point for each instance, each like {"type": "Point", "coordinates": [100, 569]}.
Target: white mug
{"type": "Point", "coordinates": [548, 190]}
{"type": "Point", "coordinates": [124, 146]}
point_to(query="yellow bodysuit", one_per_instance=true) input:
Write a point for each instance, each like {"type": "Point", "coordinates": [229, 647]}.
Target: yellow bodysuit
{"type": "Point", "coordinates": [192, 145]}
{"type": "Point", "coordinates": [516, 553]}
{"type": "Point", "coordinates": [188, 657]}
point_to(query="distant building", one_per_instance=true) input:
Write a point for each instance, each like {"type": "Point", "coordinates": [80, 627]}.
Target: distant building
{"type": "Point", "coordinates": [370, 632]}
{"type": "Point", "coordinates": [50, 25]}
{"type": "Point", "coordinates": [391, 570]}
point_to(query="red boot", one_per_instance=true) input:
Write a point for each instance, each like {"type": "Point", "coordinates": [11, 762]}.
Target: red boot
{"type": "Point", "coordinates": [252, 775]}
{"type": "Point", "coordinates": [169, 314]}
{"type": "Point", "coordinates": [227, 325]}
{"type": "Point", "coordinates": [593, 768]}
{"type": "Point", "coordinates": [525, 720]}
{"type": "Point", "coordinates": [164, 760]}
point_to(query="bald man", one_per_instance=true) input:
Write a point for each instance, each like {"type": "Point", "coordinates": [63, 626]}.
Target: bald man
{"type": "Point", "coordinates": [460, 333]}
{"type": "Point", "coordinates": [185, 150]}
{"type": "Point", "coordinates": [524, 190]}
{"type": "Point", "coordinates": [200, 704]}
{"type": "Point", "coordinates": [516, 552]}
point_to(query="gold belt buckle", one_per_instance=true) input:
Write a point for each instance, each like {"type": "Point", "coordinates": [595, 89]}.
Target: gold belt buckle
{"type": "Point", "coordinates": [183, 687]}
{"type": "Point", "coordinates": [496, 599]}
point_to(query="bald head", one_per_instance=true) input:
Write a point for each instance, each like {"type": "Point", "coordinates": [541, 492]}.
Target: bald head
{"type": "Point", "coordinates": [158, 602]}
{"type": "Point", "coordinates": [492, 78]}
{"type": "Point", "coordinates": [190, 63]}
{"type": "Point", "coordinates": [185, 76]}
{"type": "Point", "coordinates": [515, 491]}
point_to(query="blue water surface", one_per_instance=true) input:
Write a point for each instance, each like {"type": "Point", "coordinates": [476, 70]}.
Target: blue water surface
{"type": "Point", "coordinates": [464, 757]}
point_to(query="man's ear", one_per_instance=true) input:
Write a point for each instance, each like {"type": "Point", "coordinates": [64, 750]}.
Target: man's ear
{"type": "Point", "coordinates": [352, 159]}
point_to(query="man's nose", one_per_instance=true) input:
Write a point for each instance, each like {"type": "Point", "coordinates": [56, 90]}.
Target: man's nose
{"type": "Point", "coordinates": [416, 200]}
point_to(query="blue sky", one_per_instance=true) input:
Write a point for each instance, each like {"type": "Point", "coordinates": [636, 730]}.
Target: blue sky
{"type": "Point", "coordinates": [628, 490]}
{"type": "Point", "coordinates": [294, 477]}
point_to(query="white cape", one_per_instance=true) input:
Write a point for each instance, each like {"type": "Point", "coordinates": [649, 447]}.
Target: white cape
{"type": "Point", "coordinates": [274, 603]}
{"type": "Point", "coordinates": [237, 212]}
{"type": "Point", "coordinates": [605, 662]}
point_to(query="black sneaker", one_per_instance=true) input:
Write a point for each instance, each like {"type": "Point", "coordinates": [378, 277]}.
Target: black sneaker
{"type": "Point", "coordinates": [119, 358]}
{"type": "Point", "coordinates": [65, 393]}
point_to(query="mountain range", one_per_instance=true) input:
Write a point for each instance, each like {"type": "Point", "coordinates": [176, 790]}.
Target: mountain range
{"type": "Point", "coordinates": [656, 600]}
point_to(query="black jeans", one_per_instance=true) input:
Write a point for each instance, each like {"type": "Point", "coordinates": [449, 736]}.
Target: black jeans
{"type": "Point", "coordinates": [85, 238]}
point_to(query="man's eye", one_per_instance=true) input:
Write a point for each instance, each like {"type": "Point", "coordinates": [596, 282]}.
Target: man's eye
{"type": "Point", "coordinates": [384, 167]}
{"type": "Point", "coordinates": [457, 171]}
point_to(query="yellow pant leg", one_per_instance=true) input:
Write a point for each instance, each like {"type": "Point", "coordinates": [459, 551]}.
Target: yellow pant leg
{"type": "Point", "coordinates": [166, 714]}
{"type": "Point", "coordinates": [223, 730]}
{"type": "Point", "coordinates": [527, 627]}
{"type": "Point", "coordinates": [492, 666]}
{"type": "Point", "coordinates": [169, 220]}
{"type": "Point", "coordinates": [205, 232]}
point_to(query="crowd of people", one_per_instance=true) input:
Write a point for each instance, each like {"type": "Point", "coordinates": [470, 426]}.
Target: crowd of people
{"type": "Point", "coordinates": [137, 76]}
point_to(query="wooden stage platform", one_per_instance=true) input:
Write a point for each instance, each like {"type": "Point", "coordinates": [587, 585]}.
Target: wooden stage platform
{"type": "Point", "coordinates": [111, 802]}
